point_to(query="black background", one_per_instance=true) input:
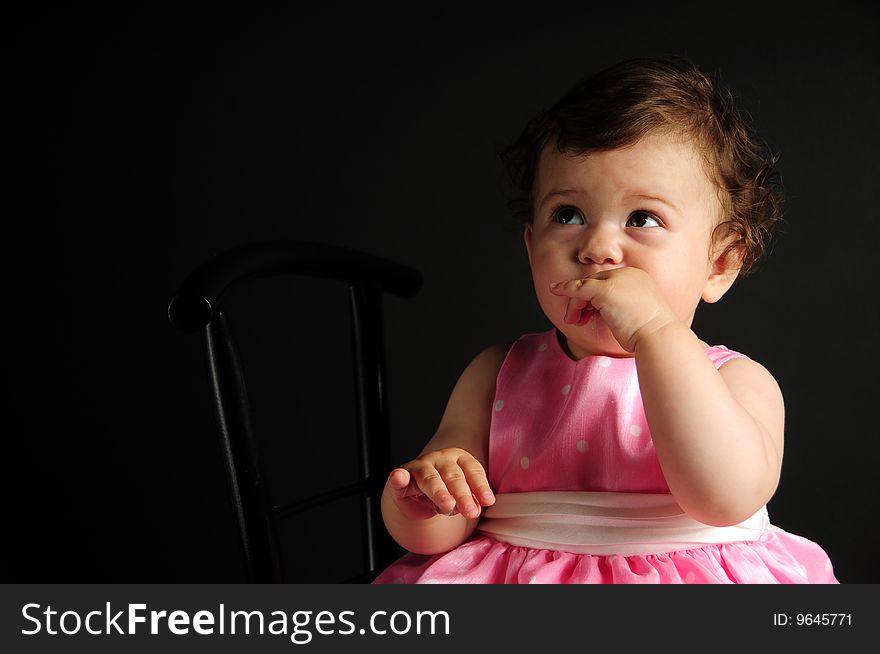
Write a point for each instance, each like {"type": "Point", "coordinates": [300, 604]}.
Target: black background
{"type": "Point", "coordinates": [143, 140]}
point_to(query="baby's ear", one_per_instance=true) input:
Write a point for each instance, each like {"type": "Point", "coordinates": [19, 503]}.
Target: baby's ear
{"type": "Point", "coordinates": [726, 264]}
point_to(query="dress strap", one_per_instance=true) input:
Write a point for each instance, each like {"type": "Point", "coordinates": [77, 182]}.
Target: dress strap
{"type": "Point", "coordinates": [604, 523]}
{"type": "Point", "coordinates": [719, 355]}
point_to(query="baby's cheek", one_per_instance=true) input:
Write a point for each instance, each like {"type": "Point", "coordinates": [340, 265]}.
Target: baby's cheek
{"type": "Point", "coordinates": [681, 295]}
{"type": "Point", "coordinates": [554, 306]}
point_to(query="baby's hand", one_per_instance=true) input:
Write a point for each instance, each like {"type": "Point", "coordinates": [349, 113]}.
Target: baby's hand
{"type": "Point", "coordinates": [627, 299]}
{"type": "Point", "coordinates": [446, 481]}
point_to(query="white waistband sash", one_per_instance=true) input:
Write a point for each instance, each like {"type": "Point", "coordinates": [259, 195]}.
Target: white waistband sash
{"type": "Point", "coordinates": [607, 523]}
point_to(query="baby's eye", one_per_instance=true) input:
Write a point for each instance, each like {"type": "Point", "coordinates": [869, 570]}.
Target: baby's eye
{"type": "Point", "coordinates": [566, 215]}
{"type": "Point", "coordinates": [643, 219]}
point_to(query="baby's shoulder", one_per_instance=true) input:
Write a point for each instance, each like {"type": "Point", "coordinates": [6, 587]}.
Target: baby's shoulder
{"type": "Point", "coordinates": [485, 365]}
{"type": "Point", "coordinates": [492, 357]}
{"type": "Point", "coordinates": [737, 368]}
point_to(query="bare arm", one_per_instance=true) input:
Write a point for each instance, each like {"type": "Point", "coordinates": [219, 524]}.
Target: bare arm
{"type": "Point", "coordinates": [718, 433]}
{"type": "Point", "coordinates": [450, 471]}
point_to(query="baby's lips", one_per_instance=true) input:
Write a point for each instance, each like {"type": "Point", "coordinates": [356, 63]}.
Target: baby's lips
{"type": "Point", "coordinates": [581, 317]}
{"type": "Point", "coordinates": [587, 313]}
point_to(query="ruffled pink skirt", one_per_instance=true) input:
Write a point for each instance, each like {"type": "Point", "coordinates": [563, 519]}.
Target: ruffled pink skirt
{"type": "Point", "coordinates": [636, 535]}
{"type": "Point", "coordinates": [776, 558]}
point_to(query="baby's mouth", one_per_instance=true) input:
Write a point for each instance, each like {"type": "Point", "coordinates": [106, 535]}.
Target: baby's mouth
{"type": "Point", "coordinates": [581, 317]}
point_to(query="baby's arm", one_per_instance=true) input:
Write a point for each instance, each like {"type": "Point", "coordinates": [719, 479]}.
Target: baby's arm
{"type": "Point", "coordinates": [450, 471]}
{"type": "Point", "coordinates": [718, 434]}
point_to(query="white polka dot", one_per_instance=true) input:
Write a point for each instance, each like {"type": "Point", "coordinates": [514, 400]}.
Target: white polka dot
{"type": "Point", "coordinates": [462, 571]}
{"type": "Point", "coordinates": [542, 347]}
{"type": "Point", "coordinates": [582, 446]}
{"type": "Point", "coordinates": [499, 405]}
{"type": "Point", "coordinates": [566, 389]}
{"type": "Point", "coordinates": [524, 462]}
{"type": "Point", "coordinates": [689, 577]}
{"type": "Point", "coordinates": [604, 362]}
{"type": "Point", "coordinates": [399, 580]}
{"type": "Point", "coordinates": [635, 430]}
{"type": "Point", "coordinates": [533, 579]}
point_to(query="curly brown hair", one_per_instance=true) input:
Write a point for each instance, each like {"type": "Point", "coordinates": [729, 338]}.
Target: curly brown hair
{"type": "Point", "coordinates": [619, 105]}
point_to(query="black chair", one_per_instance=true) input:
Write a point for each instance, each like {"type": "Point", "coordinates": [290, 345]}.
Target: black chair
{"type": "Point", "coordinates": [197, 307]}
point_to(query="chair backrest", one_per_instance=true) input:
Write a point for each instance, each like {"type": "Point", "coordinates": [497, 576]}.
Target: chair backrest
{"type": "Point", "coordinates": [196, 307]}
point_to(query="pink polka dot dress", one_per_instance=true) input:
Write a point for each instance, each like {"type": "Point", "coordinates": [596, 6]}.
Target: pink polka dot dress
{"type": "Point", "coordinates": [581, 497]}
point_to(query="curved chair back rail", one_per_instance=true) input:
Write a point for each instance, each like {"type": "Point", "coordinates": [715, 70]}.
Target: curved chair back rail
{"type": "Point", "coordinates": [197, 307]}
{"type": "Point", "coordinates": [199, 295]}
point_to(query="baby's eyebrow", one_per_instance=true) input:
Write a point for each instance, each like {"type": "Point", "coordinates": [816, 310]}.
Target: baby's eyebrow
{"type": "Point", "coordinates": [647, 196]}
{"type": "Point", "coordinates": [560, 192]}
{"type": "Point", "coordinates": [572, 191]}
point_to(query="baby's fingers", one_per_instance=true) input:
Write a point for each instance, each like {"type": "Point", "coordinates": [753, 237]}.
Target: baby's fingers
{"type": "Point", "coordinates": [405, 484]}
{"type": "Point", "coordinates": [427, 480]}
{"type": "Point", "coordinates": [408, 497]}
{"type": "Point", "coordinates": [580, 293]}
{"type": "Point", "coordinates": [457, 485]}
{"type": "Point", "coordinates": [399, 482]}
{"type": "Point", "coordinates": [574, 287]}
{"type": "Point", "coordinates": [479, 484]}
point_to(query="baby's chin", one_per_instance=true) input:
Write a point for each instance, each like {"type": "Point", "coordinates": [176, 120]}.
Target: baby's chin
{"type": "Point", "coordinates": [592, 339]}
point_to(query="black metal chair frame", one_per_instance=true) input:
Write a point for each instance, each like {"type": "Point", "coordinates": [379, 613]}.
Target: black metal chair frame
{"type": "Point", "coordinates": [196, 307]}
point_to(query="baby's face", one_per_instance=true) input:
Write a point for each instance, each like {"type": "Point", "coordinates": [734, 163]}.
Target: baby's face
{"type": "Point", "coordinates": [651, 206]}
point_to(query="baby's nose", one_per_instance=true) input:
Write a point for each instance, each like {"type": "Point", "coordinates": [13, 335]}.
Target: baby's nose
{"type": "Point", "coordinates": [601, 246]}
